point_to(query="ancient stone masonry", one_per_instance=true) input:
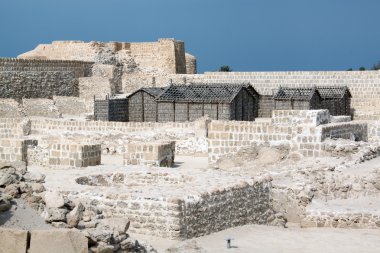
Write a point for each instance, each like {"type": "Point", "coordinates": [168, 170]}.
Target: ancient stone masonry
{"type": "Point", "coordinates": [303, 131]}
{"type": "Point", "coordinates": [40, 79]}
{"type": "Point", "coordinates": [158, 154]}
{"type": "Point", "coordinates": [74, 154]}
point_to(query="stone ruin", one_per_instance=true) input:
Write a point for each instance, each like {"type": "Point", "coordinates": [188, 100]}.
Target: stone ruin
{"type": "Point", "coordinates": [106, 182]}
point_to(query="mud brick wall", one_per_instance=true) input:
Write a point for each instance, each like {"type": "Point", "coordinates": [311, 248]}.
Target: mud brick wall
{"type": "Point", "coordinates": [74, 154]}
{"type": "Point", "coordinates": [157, 154]}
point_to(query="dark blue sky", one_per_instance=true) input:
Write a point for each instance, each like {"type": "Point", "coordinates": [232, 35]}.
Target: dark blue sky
{"type": "Point", "coordinates": [248, 35]}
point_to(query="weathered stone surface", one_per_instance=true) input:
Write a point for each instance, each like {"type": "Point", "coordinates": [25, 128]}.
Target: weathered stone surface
{"type": "Point", "coordinates": [13, 241]}
{"type": "Point", "coordinates": [54, 200]}
{"type": "Point", "coordinates": [12, 190]}
{"type": "Point", "coordinates": [100, 235]}
{"type": "Point", "coordinates": [34, 177]}
{"type": "Point", "coordinates": [5, 204]}
{"type": "Point", "coordinates": [8, 176]}
{"type": "Point", "coordinates": [54, 214]}
{"type": "Point", "coordinates": [120, 225]}
{"type": "Point", "coordinates": [58, 241]}
{"type": "Point", "coordinates": [75, 215]}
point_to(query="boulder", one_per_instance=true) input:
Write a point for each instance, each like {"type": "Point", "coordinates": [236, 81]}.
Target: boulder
{"type": "Point", "coordinates": [54, 200]}
{"type": "Point", "coordinates": [5, 204]}
{"type": "Point", "coordinates": [100, 235]}
{"type": "Point", "coordinates": [38, 187]}
{"type": "Point", "coordinates": [58, 241]}
{"type": "Point", "coordinates": [54, 214]}
{"type": "Point", "coordinates": [75, 215]}
{"type": "Point", "coordinates": [35, 177]}
{"type": "Point", "coordinates": [12, 190]}
{"type": "Point", "coordinates": [13, 241]}
{"type": "Point", "coordinates": [120, 225]}
{"type": "Point", "coordinates": [8, 176]}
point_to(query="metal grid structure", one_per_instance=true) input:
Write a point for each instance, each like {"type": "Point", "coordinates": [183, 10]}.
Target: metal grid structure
{"type": "Point", "coordinates": [286, 93]}
{"type": "Point", "coordinates": [204, 93]}
{"type": "Point", "coordinates": [337, 99]}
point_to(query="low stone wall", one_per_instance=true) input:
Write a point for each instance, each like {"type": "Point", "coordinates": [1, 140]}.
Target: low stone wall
{"type": "Point", "coordinates": [352, 130]}
{"type": "Point", "coordinates": [74, 154]}
{"type": "Point", "coordinates": [303, 131]}
{"type": "Point", "coordinates": [14, 127]}
{"type": "Point", "coordinates": [13, 150]}
{"type": "Point", "coordinates": [247, 203]}
{"type": "Point", "coordinates": [43, 125]}
{"type": "Point", "coordinates": [186, 206]}
{"type": "Point", "coordinates": [156, 153]}
{"type": "Point", "coordinates": [300, 117]}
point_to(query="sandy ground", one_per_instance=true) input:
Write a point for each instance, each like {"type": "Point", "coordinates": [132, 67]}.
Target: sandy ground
{"type": "Point", "coordinates": [267, 239]}
{"type": "Point", "coordinates": [21, 216]}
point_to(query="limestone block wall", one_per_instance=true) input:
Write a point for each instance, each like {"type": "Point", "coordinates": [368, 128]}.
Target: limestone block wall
{"type": "Point", "coordinates": [298, 117]}
{"type": "Point", "coordinates": [248, 203]}
{"type": "Point", "coordinates": [74, 154]}
{"type": "Point", "coordinates": [13, 149]}
{"type": "Point", "coordinates": [191, 64]}
{"type": "Point", "coordinates": [348, 130]}
{"type": "Point", "coordinates": [21, 78]}
{"type": "Point", "coordinates": [42, 125]}
{"type": "Point", "coordinates": [156, 153]}
{"type": "Point", "coordinates": [304, 133]}
{"type": "Point", "coordinates": [176, 214]}
{"type": "Point", "coordinates": [363, 85]}
{"type": "Point", "coordinates": [14, 127]}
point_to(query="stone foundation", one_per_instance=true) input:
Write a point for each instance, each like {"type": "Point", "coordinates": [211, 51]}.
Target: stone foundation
{"type": "Point", "coordinates": [74, 154]}
{"type": "Point", "coordinates": [157, 154]}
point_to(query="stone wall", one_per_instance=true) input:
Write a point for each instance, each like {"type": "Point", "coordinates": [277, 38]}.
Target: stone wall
{"type": "Point", "coordinates": [14, 127]}
{"type": "Point", "coordinates": [363, 85]}
{"type": "Point", "coordinates": [186, 206]}
{"type": "Point", "coordinates": [21, 78]}
{"type": "Point", "coordinates": [153, 153]}
{"type": "Point", "coordinates": [44, 125]}
{"type": "Point", "coordinates": [248, 203]}
{"type": "Point", "coordinates": [74, 154]}
{"type": "Point", "coordinates": [13, 150]}
{"type": "Point", "coordinates": [302, 131]}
